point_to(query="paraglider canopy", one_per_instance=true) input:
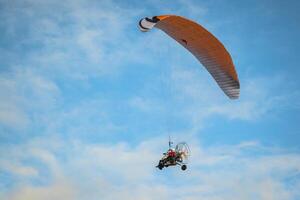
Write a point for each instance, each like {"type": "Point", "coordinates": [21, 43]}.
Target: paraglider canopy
{"type": "Point", "coordinates": [203, 45]}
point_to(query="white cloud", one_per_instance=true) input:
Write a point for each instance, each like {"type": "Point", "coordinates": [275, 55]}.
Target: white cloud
{"type": "Point", "coordinates": [91, 171]}
{"type": "Point", "coordinates": [73, 42]}
{"type": "Point", "coordinates": [59, 190]}
{"type": "Point", "coordinates": [18, 169]}
{"type": "Point", "coordinates": [146, 104]}
{"type": "Point", "coordinates": [23, 90]}
{"type": "Point", "coordinates": [205, 99]}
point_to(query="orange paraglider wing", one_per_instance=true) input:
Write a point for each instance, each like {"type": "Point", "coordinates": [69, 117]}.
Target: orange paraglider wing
{"type": "Point", "coordinates": [203, 45]}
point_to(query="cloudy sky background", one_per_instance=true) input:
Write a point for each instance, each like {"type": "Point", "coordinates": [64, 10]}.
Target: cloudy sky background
{"type": "Point", "coordinates": [87, 102]}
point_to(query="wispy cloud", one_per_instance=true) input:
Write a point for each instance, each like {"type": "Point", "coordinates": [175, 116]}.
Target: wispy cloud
{"type": "Point", "coordinates": [215, 172]}
{"type": "Point", "coordinates": [24, 90]}
{"type": "Point", "coordinates": [205, 99]}
{"type": "Point", "coordinates": [84, 96]}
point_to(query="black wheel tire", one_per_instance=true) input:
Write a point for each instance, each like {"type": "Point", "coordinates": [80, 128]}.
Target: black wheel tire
{"type": "Point", "coordinates": [160, 166]}
{"type": "Point", "coordinates": [183, 167]}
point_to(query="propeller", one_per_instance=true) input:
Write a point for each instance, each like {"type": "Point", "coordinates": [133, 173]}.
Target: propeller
{"type": "Point", "coordinates": [183, 149]}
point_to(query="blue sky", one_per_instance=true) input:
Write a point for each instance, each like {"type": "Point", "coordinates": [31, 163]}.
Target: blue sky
{"type": "Point", "coordinates": [87, 102]}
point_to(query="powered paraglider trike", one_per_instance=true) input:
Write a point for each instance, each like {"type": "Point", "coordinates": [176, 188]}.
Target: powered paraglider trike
{"type": "Point", "coordinates": [178, 156]}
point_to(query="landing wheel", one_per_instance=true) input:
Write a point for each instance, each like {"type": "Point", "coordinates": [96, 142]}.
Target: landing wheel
{"type": "Point", "coordinates": [183, 167]}
{"type": "Point", "coordinates": [160, 166]}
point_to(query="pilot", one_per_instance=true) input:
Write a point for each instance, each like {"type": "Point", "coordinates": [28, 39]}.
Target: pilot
{"type": "Point", "coordinates": [172, 155]}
